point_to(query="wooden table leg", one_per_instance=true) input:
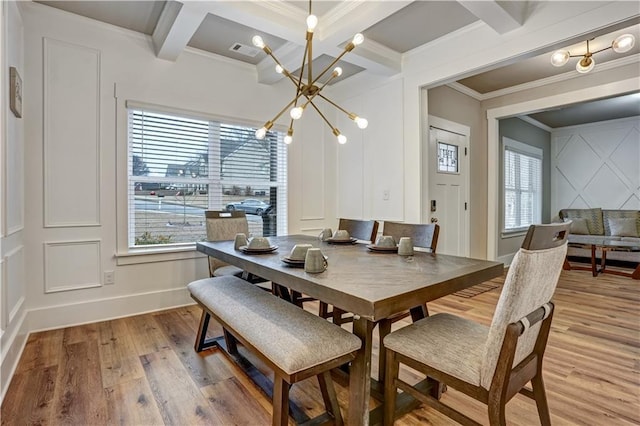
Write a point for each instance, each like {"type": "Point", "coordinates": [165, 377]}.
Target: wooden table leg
{"type": "Point", "coordinates": [603, 261]}
{"type": "Point", "coordinates": [594, 267]}
{"type": "Point", "coordinates": [360, 374]}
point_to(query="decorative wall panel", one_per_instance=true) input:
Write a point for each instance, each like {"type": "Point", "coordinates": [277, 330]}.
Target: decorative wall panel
{"type": "Point", "coordinates": [15, 284]}
{"type": "Point", "coordinates": [313, 170]}
{"type": "Point", "coordinates": [597, 165]}
{"type": "Point", "coordinates": [71, 265]}
{"type": "Point", "coordinates": [71, 135]}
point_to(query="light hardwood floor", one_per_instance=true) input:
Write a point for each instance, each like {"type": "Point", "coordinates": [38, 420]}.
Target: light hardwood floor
{"type": "Point", "coordinates": [143, 370]}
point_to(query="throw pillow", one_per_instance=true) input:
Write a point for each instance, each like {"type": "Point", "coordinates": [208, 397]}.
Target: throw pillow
{"type": "Point", "coordinates": [623, 227]}
{"type": "Point", "coordinates": [579, 226]}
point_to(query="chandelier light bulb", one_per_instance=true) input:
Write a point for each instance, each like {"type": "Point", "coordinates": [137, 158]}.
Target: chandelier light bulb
{"type": "Point", "coordinates": [358, 39]}
{"type": "Point", "coordinates": [261, 133]}
{"type": "Point", "coordinates": [342, 139]}
{"type": "Point", "coordinates": [258, 41]}
{"type": "Point", "coordinates": [361, 122]}
{"type": "Point", "coordinates": [624, 43]}
{"type": "Point", "coordinates": [337, 71]}
{"type": "Point", "coordinates": [288, 139]}
{"type": "Point", "coordinates": [279, 69]}
{"type": "Point", "coordinates": [312, 22]}
{"type": "Point", "coordinates": [559, 58]}
{"type": "Point", "coordinates": [585, 64]}
{"type": "Point", "coordinates": [296, 113]}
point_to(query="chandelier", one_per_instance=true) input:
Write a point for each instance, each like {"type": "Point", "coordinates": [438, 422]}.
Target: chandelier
{"type": "Point", "coordinates": [621, 44]}
{"type": "Point", "coordinates": [307, 90]}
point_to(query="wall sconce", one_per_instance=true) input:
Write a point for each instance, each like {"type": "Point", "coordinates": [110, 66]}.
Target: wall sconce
{"type": "Point", "coordinates": [621, 44]}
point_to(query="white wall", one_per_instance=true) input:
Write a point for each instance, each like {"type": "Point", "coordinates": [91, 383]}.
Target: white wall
{"type": "Point", "coordinates": [79, 74]}
{"type": "Point", "coordinates": [13, 285]}
{"type": "Point", "coordinates": [596, 165]}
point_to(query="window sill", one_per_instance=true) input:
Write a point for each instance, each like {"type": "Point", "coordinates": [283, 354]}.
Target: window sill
{"type": "Point", "coordinates": [137, 256]}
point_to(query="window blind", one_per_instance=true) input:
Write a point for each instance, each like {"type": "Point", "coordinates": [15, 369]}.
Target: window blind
{"type": "Point", "coordinates": [180, 166]}
{"type": "Point", "coordinates": [522, 189]}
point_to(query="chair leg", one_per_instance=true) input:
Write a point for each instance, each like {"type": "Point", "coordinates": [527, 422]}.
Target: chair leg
{"type": "Point", "coordinates": [384, 328]}
{"type": "Point", "coordinates": [329, 397]}
{"type": "Point", "coordinates": [337, 316]}
{"type": "Point", "coordinates": [280, 402]}
{"type": "Point", "coordinates": [496, 411]}
{"type": "Point", "coordinates": [323, 311]}
{"type": "Point", "coordinates": [390, 390]}
{"type": "Point", "coordinates": [541, 399]}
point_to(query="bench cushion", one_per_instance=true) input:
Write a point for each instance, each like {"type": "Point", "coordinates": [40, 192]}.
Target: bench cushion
{"type": "Point", "coordinates": [288, 336]}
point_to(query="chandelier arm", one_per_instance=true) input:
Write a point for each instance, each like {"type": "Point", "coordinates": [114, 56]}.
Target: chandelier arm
{"type": "Point", "coordinates": [284, 70]}
{"type": "Point", "coordinates": [322, 115]}
{"type": "Point", "coordinates": [310, 56]}
{"type": "Point", "coordinates": [336, 105]}
{"type": "Point", "coordinates": [332, 64]}
{"type": "Point", "coordinates": [310, 98]}
{"type": "Point", "coordinates": [602, 50]}
{"type": "Point", "coordinates": [284, 109]}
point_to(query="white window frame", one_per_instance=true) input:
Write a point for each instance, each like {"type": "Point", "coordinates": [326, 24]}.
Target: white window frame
{"type": "Point", "coordinates": [531, 152]}
{"type": "Point", "coordinates": [127, 254]}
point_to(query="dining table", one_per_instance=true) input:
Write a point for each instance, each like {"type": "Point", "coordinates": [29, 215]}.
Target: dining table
{"type": "Point", "coordinates": [372, 285]}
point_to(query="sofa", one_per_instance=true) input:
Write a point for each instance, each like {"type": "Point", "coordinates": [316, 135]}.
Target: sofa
{"type": "Point", "coordinates": [612, 225]}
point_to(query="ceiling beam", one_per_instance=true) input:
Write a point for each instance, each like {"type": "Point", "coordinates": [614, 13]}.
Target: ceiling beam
{"type": "Point", "coordinates": [495, 15]}
{"type": "Point", "coordinates": [177, 24]}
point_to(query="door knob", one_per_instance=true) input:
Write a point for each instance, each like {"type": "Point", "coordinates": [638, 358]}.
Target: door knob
{"type": "Point", "coordinates": [434, 219]}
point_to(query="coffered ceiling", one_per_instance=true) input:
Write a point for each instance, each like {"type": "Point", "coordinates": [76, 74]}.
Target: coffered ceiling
{"type": "Point", "coordinates": [391, 29]}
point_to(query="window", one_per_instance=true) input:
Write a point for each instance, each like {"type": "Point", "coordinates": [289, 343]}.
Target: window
{"type": "Point", "coordinates": [180, 166]}
{"type": "Point", "coordinates": [522, 185]}
{"type": "Point", "coordinates": [447, 158]}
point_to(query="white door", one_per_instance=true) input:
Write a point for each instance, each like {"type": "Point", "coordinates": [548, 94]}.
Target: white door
{"type": "Point", "coordinates": [448, 204]}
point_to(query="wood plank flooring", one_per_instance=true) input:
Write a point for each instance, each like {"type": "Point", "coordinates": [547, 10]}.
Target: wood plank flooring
{"type": "Point", "coordinates": [143, 370]}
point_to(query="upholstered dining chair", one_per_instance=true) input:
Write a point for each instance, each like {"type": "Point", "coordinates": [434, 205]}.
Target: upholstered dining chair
{"type": "Point", "coordinates": [363, 230]}
{"type": "Point", "coordinates": [223, 226]}
{"type": "Point", "coordinates": [424, 236]}
{"type": "Point", "coordinates": [490, 364]}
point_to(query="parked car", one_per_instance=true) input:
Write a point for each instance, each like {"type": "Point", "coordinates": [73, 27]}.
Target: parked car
{"type": "Point", "coordinates": [250, 205]}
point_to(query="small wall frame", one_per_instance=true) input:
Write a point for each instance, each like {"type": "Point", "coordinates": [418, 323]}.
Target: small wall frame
{"type": "Point", "coordinates": [15, 92]}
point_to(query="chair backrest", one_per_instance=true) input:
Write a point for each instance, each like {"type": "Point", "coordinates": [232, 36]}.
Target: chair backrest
{"type": "Point", "coordinates": [365, 230]}
{"type": "Point", "coordinates": [423, 235]}
{"type": "Point", "coordinates": [223, 226]}
{"type": "Point", "coordinates": [531, 281]}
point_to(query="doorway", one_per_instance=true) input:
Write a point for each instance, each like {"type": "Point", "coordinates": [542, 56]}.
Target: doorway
{"type": "Point", "coordinates": [448, 202]}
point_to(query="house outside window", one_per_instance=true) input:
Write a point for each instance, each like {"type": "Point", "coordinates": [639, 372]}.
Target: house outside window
{"type": "Point", "coordinates": [180, 166]}
{"type": "Point", "coordinates": [522, 185]}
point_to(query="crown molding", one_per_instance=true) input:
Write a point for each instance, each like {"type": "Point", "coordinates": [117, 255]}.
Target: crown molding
{"type": "Point", "coordinates": [535, 122]}
{"type": "Point", "coordinates": [616, 63]}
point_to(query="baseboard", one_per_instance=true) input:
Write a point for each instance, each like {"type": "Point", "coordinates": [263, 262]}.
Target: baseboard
{"type": "Point", "coordinates": [12, 343]}
{"type": "Point", "coordinates": [88, 311]}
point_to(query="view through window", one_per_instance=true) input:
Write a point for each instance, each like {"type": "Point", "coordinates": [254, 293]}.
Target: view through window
{"type": "Point", "coordinates": [180, 166]}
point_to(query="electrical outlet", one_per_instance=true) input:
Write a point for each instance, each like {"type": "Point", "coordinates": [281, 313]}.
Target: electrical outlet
{"type": "Point", "coordinates": [385, 195]}
{"type": "Point", "coordinates": [109, 278]}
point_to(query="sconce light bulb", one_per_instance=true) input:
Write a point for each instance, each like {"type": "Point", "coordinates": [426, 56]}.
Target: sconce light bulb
{"type": "Point", "coordinates": [296, 113]}
{"type": "Point", "coordinates": [312, 22]}
{"type": "Point", "coordinates": [258, 41]}
{"type": "Point", "coordinates": [261, 133]}
{"type": "Point", "coordinates": [585, 64]}
{"type": "Point", "coordinates": [362, 122]}
{"type": "Point", "coordinates": [623, 43]}
{"type": "Point", "coordinates": [559, 58]}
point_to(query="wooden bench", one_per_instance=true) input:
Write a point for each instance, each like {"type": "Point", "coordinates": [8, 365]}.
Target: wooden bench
{"type": "Point", "coordinates": [294, 343]}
